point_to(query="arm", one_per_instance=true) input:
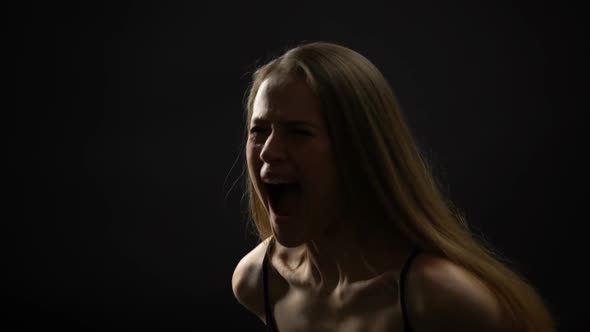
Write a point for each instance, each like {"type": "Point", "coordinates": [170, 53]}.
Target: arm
{"type": "Point", "coordinates": [247, 281]}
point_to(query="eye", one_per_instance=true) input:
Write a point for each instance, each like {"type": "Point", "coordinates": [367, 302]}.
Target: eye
{"type": "Point", "coordinates": [302, 132]}
{"type": "Point", "coordinates": [257, 130]}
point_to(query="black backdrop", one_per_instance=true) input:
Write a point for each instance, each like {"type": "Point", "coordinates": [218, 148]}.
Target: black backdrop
{"type": "Point", "coordinates": [129, 119]}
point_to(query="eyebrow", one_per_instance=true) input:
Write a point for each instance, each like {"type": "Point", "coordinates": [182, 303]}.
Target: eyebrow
{"type": "Point", "coordinates": [293, 123]}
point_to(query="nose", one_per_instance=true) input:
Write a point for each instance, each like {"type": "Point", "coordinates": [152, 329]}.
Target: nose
{"type": "Point", "coordinates": [274, 149]}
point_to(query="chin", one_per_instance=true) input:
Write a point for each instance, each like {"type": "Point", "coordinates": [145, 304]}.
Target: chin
{"type": "Point", "coordinates": [289, 241]}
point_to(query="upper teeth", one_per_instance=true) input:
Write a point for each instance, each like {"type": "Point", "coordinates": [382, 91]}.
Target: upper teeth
{"type": "Point", "coordinates": [277, 181]}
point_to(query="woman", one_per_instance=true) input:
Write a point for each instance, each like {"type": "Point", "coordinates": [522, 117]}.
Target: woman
{"type": "Point", "coordinates": [355, 234]}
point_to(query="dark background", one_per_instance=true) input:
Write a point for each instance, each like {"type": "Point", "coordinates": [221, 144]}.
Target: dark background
{"type": "Point", "coordinates": [129, 119]}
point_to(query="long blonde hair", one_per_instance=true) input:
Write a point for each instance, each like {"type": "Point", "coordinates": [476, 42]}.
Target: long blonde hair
{"type": "Point", "coordinates": [388, 181]}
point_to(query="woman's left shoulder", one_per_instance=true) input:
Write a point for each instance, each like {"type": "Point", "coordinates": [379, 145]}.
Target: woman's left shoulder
{"type": "Point", "coordinates": [443, 296]}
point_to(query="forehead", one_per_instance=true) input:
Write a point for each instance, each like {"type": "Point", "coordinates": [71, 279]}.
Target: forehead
{"type": "Point", "coordinates": [286, 98]}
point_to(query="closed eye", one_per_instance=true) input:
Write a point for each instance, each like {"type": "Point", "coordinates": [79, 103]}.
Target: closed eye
{"type": "Point", "coordinates": [259, 130]}
{"type": "Point", "coordinates": [255, 130]}
{"type": "Point", "coordinates": [302, 132]}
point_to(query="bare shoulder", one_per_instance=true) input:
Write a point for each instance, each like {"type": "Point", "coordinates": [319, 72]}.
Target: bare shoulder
{"type": "Point", "coordinates": [443, 296]}
{"type": "Point", "coordinates": [247, 280]}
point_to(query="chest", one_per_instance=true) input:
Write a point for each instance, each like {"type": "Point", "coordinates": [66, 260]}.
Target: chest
{"type": "Point", "coordinates": [298, 311]}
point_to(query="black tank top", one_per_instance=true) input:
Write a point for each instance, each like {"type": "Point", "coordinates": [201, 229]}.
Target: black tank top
{"type": "Point", "coordinates": [271, 324]}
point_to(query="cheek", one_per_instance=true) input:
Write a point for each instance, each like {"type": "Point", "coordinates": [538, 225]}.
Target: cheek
{"type": "Point", "coordinates": [251, 155]}
{"type": "Point", "coordinates": [320, 164]}
{"type": "Point", "coordinates": [253, 162]}
{"type": "Point", "coordinates": [322, 176]}
{"type": "Point", "coordinates": [329, 181]}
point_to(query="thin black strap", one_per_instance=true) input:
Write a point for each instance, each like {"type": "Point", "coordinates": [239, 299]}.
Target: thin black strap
{"type": "Point", "coordinates": [271, 325]}
{"type": "Point", "coordinates": [402, 286]}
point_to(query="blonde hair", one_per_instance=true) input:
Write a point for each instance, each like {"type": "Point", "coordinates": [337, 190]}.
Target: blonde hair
{"type": "Point", "coordinates": [388, 181]}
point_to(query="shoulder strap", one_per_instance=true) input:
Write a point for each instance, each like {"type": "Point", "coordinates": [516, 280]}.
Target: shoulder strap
{"type": "Point", "coordinates": [271, 325]}
{"type": "Point", "coordinates": [402, 286]}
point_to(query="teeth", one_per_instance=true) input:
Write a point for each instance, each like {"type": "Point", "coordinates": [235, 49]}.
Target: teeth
{"type": "Point", "coordinates": [277, 181]}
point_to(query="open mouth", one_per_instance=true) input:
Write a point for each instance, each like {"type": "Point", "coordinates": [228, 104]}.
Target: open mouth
{"type": "Point", "coordinates": [284, 199]}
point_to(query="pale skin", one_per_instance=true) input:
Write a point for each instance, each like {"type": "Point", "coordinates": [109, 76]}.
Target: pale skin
{"type": "Point", "coordinates": [322, 278]}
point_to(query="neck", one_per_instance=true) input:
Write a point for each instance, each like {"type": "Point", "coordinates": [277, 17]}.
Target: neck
{"type": "Point", "coordinates": [341, 257]}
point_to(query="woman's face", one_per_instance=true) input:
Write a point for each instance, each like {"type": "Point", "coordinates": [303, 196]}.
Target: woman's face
{"type": "Point", "coordinates": [290, 160]}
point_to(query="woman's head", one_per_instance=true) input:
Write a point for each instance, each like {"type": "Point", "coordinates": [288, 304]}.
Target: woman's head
{"type": "Point", "coordinates": [290, 160]}
{"type": "Point", "coordinates": [366, 141]}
